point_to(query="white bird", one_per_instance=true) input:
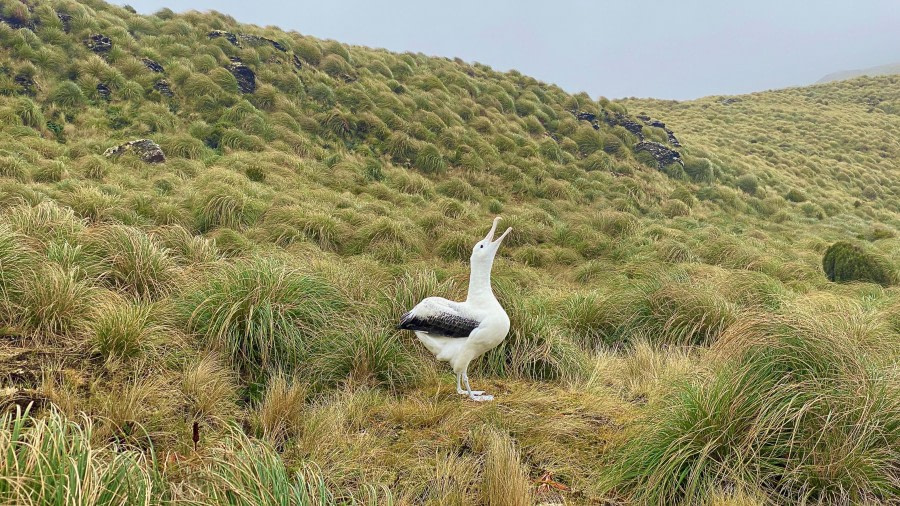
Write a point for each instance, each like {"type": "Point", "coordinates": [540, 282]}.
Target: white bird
{"type": "Point", "coordinates": [459, 332]}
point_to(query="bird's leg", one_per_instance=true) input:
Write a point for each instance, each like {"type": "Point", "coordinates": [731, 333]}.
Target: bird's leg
{"type": "Point", "coordinates": [475, 395]}
{"type": "Point", "coordinates": [468, 391]}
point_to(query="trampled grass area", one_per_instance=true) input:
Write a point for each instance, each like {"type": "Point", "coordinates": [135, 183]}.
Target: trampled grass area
{"type": "Point", "coordinates": [219, 328]}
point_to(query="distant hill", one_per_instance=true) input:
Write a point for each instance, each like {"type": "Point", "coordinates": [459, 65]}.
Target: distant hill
{"type": "Point", "coordinates": [881, 70]}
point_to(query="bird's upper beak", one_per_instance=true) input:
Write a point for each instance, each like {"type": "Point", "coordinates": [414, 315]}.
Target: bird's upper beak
{"type": "Point", "coordinates": [490, 235]}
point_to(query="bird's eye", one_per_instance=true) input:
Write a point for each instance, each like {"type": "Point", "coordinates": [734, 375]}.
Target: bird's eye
{"type": "Point", "coordinates": [481, 245]}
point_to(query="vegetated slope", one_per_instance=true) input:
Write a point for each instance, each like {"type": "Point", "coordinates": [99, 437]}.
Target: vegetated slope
{"type": "Point", "coordinates": [231, 301]}
{"type": "Point", "coordinates": [880, 70]}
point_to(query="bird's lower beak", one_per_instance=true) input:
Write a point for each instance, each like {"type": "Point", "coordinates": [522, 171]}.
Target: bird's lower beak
{"type": "Point", "coordinates": [508, 230]}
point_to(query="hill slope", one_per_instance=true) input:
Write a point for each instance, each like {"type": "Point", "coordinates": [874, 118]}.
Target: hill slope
{"type": "Point", "coordinates": [230, 298]}
{"type": "Point", "coordinates": [881, 70]}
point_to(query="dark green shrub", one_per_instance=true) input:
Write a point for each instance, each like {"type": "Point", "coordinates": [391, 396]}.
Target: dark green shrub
{"type": "Point", "coordinates": [795, 195]}
{"type": "Point", "coordinates": [698, 169]}
{"type": "Point", "coordinates": [844, 262]}
{"type": "Point", "coordinates": [748, 184]}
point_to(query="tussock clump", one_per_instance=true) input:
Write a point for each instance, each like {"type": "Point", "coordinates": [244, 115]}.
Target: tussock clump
{"type": "Point", "coordinates": [225, 205]}
{"type": "Point", "coordinates": [209, 388]}
{"type": "Point", "coordinates": [505, 480]}
{"type": "Point", "coordinates": [845, 262]}
{"type": "Point", "coordinates": [286, 225]}
{"type": "Point", "coordinates": [280, 413]}
{"type": "Point", "coordinates": [616, 223]}
{"type": "Point", "coordinates": [259, 312]}
{"type": "Point", "coordinates": [121, 331]}
{"type": "Point", "coordinates": [133, 261]}
{"type": "Point", "coordinates": [782, 413]}
{"type": "Point", "coordinates": [55, 302]}
{"type": "Point", "coordinates": [51, 460]}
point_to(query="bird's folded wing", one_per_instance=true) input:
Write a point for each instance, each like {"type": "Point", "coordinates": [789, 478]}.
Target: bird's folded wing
{"type": "Point", "coordinates": [439, 317]}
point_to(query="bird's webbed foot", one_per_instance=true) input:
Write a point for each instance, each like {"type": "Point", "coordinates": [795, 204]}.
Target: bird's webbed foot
{"type": "Point", "coordinates": [480, 396]}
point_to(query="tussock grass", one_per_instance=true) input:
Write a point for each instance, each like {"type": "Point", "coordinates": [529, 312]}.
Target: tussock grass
{"type": "Point", "coordinates": [120, 331]}
{"type": "Point", "coordinates": [55, 302]}
{"type": "Point", "coordinates": [258, 312]}
{"type": "Point", "coordinates": [785, 387]}
{"type": "Point", "coordinates": [54, 460]}
{"type": "Point", "coordinates": [133, 261]}
{"type": "Point", "coordinates": [209, 389]}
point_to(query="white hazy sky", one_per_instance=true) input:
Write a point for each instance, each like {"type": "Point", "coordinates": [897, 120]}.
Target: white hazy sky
{"type": "Point", "coordinates": [650, 48]}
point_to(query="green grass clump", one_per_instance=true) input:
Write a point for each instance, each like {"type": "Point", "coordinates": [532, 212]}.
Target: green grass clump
{"type": "Point", "coordinates": [781, 414]}
{"type": "Point", "coordinates": [121, 331]}
{"type": "Point", "coordinates": [53, 460]}
{"type": "Point", "coordinates": [844, 262]}
{"type": "Point", "coordinates": [260, 313]}
{"type": "Point", "coordinates": [133, 261]}
{"type": "Point", "coordinates": [55, 302]}
{"type": "Point", "coordinates": [220, 205]}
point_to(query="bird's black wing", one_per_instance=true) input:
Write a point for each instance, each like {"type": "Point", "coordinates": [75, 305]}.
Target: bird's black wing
{"type": "Point", "coordinates": [440, 324]}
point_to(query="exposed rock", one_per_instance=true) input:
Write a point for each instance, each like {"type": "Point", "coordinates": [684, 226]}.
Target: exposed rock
{"type": "Point", "coordinates": [104, 91]}
{"type": "Point", "coordinates": [163, 87]}
{"type": "Point", "coordinates": [619, 119]}
{"type": "Point", "coordinates": [729, 100]}
{"type": "Point", "coordinates": [253, 40]}
{"type": "Point", "coordinates": [587, 116]}
{"type": "Point", "coordinates": [98, 43]}
{"type": "Point", "coordinates": [298, 64]}
{"type": "Point", "coordinates": [26, 82]}
{"type": "Point", "coordinates": [153, 65]}
{"type": "Point", "coordinates": [146, 149]}
{"type": "Point", "coordinates": [256, 40]}
{"type": "Point", "coordinates": [230, 37]}
{"type": "Point", "coordinates": [246, 79]}
{"type": "Point", "coordinates": [663, 155]}
{"type": "Point", "coordinates": [659, 124]}
{"type": "Point", "coordinates": [66, 20]}
{"type": "Point", "coordinates": [17, 23]}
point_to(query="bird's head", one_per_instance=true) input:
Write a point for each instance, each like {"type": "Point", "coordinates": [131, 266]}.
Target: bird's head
{"type": "Point", "coordinates": [485, 249]}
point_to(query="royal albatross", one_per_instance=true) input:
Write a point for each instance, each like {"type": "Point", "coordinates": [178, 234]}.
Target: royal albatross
{"type": "Point", "coordinates": [459, 332]}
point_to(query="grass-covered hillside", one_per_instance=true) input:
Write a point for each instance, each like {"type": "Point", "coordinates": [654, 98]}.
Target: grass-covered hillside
{"type": "Point", "coordinates": [702, 294]}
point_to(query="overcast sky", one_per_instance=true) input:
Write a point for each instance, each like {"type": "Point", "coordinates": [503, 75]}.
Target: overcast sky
{"type": "Point", "coordinates": [652, 48]}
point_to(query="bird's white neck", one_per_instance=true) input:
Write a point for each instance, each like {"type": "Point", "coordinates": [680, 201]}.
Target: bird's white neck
{"type": "Point", "coordinates": [480, 284]}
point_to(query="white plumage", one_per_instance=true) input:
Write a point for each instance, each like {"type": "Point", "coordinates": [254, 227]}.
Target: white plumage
{"type": "Point", "coordinates": [459, 332]}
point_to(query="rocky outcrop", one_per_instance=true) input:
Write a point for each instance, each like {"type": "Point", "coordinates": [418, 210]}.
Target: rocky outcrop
{"type": "Point", "coordinates": [26, 83]}
{"type": "Point", "coordinates": [659, 124]}
{"type": "Point", "coordinates": [251, 40]}
{"type": "Point", "coordinates": [729, 100]}
{"type": "Point", "coordinates": [230, 37]}
{"type": "Point", "coordinates": [153, 65]}
{"type": "Point", "coordinates": [104, 92]}
{"type": "Point", "coordinates": [619, 119]}
{"type": "Point", "coordinates": [147, 150]}
{"type": "Point", "coordinates": [586, 116]}
{"type": "Point", "coordinates": [246, 79]}
{"type": "Point", "coordinates": [663, 155]}
{"type": "Point", "coordinates": [66, 21]}
{"type": "Point", "coordinates": [298, 64]}
{"type": "Point", "coordinates": [256, 40]}
{"type": "Point", "coordinates": [17, 23]}
{"type": "Point", "coordinates": [163, 87]}
{"type": "Point", "coordinates": [98, 43]}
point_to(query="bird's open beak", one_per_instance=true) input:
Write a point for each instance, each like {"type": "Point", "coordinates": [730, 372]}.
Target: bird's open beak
{"type": "Point", "coordinates": [490, 235]}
